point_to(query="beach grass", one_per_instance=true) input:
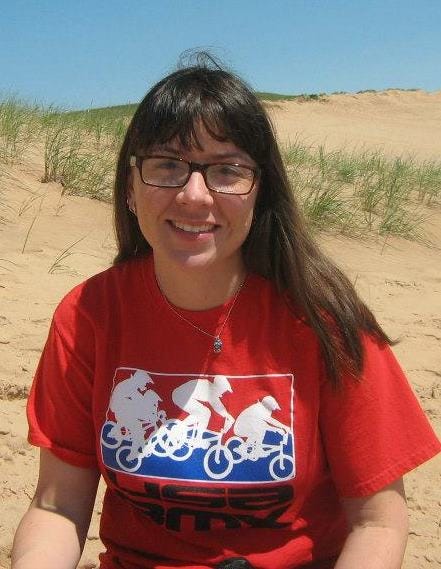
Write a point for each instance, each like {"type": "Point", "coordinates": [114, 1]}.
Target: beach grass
{"type": "Point", "coordinates": [359, 192]}
{"type": "Point", "coordinates": [302, 98]}
{"type": "Point", "coordinates": [80, 154]}
{"type": "Point", "coordinates": [18, 122]}
{"type": "Point", "coordinates": [339, 190]}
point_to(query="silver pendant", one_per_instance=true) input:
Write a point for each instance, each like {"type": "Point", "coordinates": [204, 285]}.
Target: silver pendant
{"type": "Point", "coordinates": [217, 345]}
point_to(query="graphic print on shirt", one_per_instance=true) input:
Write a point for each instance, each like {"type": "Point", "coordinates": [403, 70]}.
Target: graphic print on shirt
{"type": "Point", "coordinates": [200, 427]}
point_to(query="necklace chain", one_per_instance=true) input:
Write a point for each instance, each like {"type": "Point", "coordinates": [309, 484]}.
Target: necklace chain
{"type": "Point", "coordinates": [217, 342]}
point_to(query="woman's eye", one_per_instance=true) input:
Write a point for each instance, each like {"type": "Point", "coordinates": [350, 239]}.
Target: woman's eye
{"type": "Point", "coordinates": [232, 172]}
{"type": "Point", "coordinates": [169, 165]}
{"type": "Point", "coordinates": [229, 170]}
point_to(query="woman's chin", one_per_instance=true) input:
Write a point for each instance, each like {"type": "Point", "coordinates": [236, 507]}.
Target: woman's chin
{"type": "Point", "coordinates": [193, 261]}
{"type": "Point", "coordinates": [203, 261]}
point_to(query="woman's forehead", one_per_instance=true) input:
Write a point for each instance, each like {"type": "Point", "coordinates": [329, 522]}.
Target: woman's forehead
{"type": "Point", "coordinates": [203, 140]}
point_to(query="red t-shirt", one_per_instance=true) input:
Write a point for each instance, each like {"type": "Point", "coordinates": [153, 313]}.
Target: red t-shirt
{"type": "Point", "coordinates": [209, 455]}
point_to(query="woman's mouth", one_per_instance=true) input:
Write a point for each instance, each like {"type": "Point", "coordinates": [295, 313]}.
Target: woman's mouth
{"type": "Point", "coordinates": [193, 228]}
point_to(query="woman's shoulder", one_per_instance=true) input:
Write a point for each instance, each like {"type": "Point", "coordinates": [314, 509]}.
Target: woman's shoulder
{"type": "Point", "coordinates": [103, 289]}
{"type": "Point", "coordinates": [278, 306]}
{"type": "Point", "coordinates": [266, 291]}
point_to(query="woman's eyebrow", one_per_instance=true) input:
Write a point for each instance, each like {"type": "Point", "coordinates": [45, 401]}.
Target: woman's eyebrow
{"type": "Point", "coordinates": [235, 156]}
{"type": "Point", "coordinates": [164, 148]}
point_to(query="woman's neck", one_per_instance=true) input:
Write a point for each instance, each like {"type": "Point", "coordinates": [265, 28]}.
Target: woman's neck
{"type": "Point", "coordinates": [199, 288]}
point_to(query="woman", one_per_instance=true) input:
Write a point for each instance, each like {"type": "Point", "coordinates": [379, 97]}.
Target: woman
{"type": "Point", "coordinates": [219, 306]}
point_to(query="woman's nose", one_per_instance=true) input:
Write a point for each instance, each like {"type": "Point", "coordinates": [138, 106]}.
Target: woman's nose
{"type": "Point", "coordinates": [195, 191]}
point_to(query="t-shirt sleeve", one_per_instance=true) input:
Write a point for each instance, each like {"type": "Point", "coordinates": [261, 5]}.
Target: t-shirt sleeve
{"type": "Point", "coordinates": [59, 408]}
{"type": "Point", "coordinates": [374, 430]}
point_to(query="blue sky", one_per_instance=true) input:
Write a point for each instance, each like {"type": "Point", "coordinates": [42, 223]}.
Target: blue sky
{"type": "Point", "coordinates": [83, 53]}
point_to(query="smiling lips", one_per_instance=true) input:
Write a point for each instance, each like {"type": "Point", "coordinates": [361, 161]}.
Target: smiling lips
{"type": "Point", "coordinates": [202, 228]}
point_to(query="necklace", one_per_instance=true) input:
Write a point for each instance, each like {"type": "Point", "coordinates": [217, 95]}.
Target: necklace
{"type": "Point", "coordinates": [217, 341]}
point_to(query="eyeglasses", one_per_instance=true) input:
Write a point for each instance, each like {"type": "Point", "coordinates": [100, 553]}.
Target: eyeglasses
{"type": "Point", "coordinates": [168, 172]}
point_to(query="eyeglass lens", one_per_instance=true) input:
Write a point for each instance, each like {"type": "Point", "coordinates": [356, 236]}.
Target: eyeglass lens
{"type": "Point", "coordinates": [171, 172]}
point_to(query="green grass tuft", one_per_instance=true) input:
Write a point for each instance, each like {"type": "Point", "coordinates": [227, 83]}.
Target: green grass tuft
{"type": "Point", "coordinates": [17, 128]}
{"type": "Point", "coordinates": [302, 98]}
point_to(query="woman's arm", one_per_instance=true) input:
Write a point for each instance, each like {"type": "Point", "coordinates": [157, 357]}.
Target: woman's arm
{"type": "Point", "coordinates": [53, 531]}
{"type": "Point", "coordinates": [378, 530]}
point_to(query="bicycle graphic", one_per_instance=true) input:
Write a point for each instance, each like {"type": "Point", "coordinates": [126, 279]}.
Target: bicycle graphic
{"type": "Point", "coordinates": [177, 440]}
{"type": "Point", "coordinates": [220, 460]}
{"type": "Point", "coordinates": [114, 436]}
{"type": "Point", "coordinates": [191, 427]}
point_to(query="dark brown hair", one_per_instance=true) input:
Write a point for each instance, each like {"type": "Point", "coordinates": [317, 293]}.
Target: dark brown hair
{"type": "Point", "coordinates": [279, 245]}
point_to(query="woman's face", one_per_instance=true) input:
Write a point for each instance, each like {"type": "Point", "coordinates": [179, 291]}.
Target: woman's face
{"type": "Point", "coordinates": [192, 227]}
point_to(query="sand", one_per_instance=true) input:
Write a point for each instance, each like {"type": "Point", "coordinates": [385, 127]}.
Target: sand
{"type": "Point", "coordinates": [49, 242]}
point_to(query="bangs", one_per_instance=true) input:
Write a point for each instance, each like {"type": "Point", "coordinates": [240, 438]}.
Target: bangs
{"type": "Point", "coordinates": [175, 110]}
{"type": "Point", "coordinates": [181, 121]}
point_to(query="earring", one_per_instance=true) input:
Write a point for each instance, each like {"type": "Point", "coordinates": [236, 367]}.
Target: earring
{"type": "Point", "coordinates": [132, 209]}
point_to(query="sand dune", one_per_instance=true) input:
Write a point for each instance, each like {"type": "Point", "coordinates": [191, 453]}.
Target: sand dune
{"type": "Point", "coordinates": [404, 123]}
{"type": "Point", "coordinates": [49, 242]}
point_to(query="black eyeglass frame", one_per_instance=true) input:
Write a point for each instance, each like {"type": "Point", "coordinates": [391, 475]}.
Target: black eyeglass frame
{"type": "Point", "coordinates": [137, 161]}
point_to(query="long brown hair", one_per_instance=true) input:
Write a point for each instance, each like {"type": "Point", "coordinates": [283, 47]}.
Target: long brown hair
{"type": "Point", "coordinates": [279, 246]}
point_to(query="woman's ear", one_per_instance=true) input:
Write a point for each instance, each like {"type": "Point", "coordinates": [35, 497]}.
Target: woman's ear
{"type": "Point", "coordinates": [131, 202]}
